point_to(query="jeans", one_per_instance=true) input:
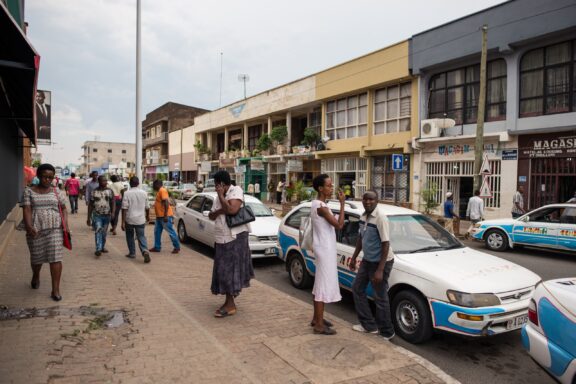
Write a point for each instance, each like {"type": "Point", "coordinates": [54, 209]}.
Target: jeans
{"type": "Point", "coordinates": [142, 244]}
{"type": "Point", "coordinates": [382, 319]}
{"type": "Point", "coordinates": [159, 226]}
{"type": "Point", "coordinates": [73, 203]}
{"type": "Point", "coordinates": [100, 222]}
{"type": "Point", "coordinates": [114, 221]}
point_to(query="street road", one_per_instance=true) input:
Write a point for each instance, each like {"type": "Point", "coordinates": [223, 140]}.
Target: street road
{"type": "Point", "coordinates": [496, 360]}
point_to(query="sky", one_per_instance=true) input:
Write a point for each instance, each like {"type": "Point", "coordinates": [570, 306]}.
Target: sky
{"type": "Point", "coordinates": [88, 53]}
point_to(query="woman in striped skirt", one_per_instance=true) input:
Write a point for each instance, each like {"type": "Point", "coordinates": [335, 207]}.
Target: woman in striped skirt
{"type": "Point", "coordinates": [44, 227]}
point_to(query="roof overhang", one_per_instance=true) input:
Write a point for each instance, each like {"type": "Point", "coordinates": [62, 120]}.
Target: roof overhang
{"type": "Point", "coordinates": [19, 64]}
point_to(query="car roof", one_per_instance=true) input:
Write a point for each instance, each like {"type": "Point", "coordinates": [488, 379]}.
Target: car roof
{"type": "Point", "coordinates": [357, 207]}
{"type": "Point", "coordinates": [214, 195]}
{"type": "Point", "coordinates": [559, 205]}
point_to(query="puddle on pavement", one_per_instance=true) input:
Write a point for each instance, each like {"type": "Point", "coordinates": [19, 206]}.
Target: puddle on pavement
{"type": "Point", "coordinates": [108, 318]}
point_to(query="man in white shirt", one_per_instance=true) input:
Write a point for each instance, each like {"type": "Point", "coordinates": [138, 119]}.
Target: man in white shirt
{"type": "Point", "coordinates": [475, 211]}
{"type": "Point", "coordinates": [135, 215]}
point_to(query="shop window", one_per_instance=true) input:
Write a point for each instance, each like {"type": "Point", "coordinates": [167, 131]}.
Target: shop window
{"type": "Point", "coordinates": [347, 117]}
{"type": "Point", "coordinates": [454, 94]}
{"type": "Point", "coordinates": [392, 109]}
{"type": "Point", "coordinates": [389, 184]}
{"type": "Point", "coordinates": [548, 80]}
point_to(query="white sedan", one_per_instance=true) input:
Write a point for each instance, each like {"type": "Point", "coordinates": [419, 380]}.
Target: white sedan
{"type": "Point", "coordinates": [550, 335]}
{"type": "Point", "coordinates": [192, 221]}
{"type": "Point", "coordinates": [436, 282]}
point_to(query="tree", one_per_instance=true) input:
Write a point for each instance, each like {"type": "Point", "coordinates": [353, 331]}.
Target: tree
{"type": "Point", "coordinates": [429, 194]}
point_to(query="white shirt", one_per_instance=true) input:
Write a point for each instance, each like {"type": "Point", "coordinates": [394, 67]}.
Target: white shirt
{"type": "Point", "coordinates": [475, 208]}
{"type": "Point", "coordinates": [222, 233]}
{"type": "Point", "coordinates": [518, 198]}
{"type": "Point", "coordinates": [136, 203]}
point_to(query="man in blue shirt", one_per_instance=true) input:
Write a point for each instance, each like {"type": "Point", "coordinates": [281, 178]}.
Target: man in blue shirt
{"type": "Point", "coordinates": [450, 218]}
{"type": "Point", "coordinates": [375, 268]}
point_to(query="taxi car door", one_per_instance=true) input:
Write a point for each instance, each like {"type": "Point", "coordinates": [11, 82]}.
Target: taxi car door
{"type": "Point", "coordinates": [567, 229]}
{"type": "Point", "coordinates": [539, 228]}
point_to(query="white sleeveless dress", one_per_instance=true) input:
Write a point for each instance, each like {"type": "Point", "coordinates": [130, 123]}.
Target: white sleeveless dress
{"type": "Point", "coordinates": [326, 288]}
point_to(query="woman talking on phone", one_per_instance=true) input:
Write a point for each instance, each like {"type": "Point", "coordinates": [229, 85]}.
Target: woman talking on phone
{"type": "Point", "coordinates": [326, 288]}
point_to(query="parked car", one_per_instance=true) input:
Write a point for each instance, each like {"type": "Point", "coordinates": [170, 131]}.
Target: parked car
{"type": "Point", "coordinates": [551, 226]}
{"type": "Point", "coordinates": [550, 335]}
{"type": "Point", "coordinates": [184, 191]}
{"type": "Point", "coordinates": [437, 283]}
{"type": "Point", "coordinates": [170, 185]}
{"type": "Point", "coordinates": [193, 222]}
{"type": "Point", "coordinates": [209, 186]}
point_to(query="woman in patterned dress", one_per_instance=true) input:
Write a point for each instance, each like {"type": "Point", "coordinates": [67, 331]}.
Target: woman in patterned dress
{"type": "Point", "coordinates": [44, 227]}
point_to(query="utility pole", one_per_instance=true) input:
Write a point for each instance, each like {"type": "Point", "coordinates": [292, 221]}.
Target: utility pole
{"type": "Point", "coordinates": [138, 96]}
{"type": "Point", "coordinates": [221, 60]}
{"type": "Point", "coordinates": [479, 143]}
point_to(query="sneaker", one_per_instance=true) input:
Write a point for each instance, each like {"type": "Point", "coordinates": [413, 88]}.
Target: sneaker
{"type": "Point", "coordinates": [97, 253]}
{"type": "Point", "coordinates": [131, 256]}
{"type": "Point", "coordinates": [387, 336]}
{"type": "Point", "coordinates": [146, 257]}
{"type": "Point", "coordinates": [360, 328]}
{"type": "Point", "coordinates": [104, 250]}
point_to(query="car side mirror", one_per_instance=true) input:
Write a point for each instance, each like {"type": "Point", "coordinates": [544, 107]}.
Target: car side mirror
{"type": "Point", "coordinates": [206, 213]}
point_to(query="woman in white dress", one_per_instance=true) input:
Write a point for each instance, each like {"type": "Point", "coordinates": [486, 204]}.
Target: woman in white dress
{"type": "Point", "coordinates": [326, 288]}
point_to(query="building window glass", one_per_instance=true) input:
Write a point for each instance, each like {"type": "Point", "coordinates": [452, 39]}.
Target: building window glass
{"type": "Point", "coordinates": [347, 117]}
{"type": "Point", "coordinates": [109, 151]}
{"type": "Point", "coordinates": [392, 109]}
{"type": "Point", "coordinates": [94, 150]}
{"type": "Point", "coordinates": [454, 94]}
{"type": "Point", "coordinates": [254, 133]}
{"type": "Point", "coordinates": [123, 151]}
{"type": "Point", "coordinates": [548, 80]}
{"type": "Point", "coordinates": [348, 171]}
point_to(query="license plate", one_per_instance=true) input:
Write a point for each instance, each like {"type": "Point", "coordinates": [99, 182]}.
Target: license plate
{"type": "Point", "coordinates": [517, 322]}
{"type": "Point", "coordinates": [270, 251]}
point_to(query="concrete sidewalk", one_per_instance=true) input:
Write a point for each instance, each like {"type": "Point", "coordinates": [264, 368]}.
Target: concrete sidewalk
{"type": "Point", "coordinates": [170, 334]}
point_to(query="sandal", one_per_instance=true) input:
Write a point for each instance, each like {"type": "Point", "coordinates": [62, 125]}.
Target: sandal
{"type": "Point", "coordinates": [222, 312]}
{"type": "Point", "coordinates": [326, 323]}
{"type": "Point", "coordinates": [325, 331]}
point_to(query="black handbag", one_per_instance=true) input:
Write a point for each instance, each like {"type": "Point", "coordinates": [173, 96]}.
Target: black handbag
{"type": "Point", "coordinates": [244, 216]}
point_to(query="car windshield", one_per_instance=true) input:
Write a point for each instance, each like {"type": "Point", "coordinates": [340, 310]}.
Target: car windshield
{"type": "Point", "coordinates": [259, 209]}
{"type": "Point", "coordinates": [418, 233]}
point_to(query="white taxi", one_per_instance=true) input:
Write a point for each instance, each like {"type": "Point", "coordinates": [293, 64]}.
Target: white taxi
{"type": "Point", "coordinates": [192, 221]}
{"type": "Point", "coordinates": [436, 282]}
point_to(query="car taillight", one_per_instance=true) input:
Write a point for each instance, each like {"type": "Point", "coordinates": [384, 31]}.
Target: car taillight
{"type": "Point", "coordinates": [533, 312]}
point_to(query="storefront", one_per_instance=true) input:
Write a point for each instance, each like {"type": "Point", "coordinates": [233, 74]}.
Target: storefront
{"type": "Point", "coordinates": [547, 167]}
{"type": "Point", "coordinates": [449, 167]}
{"type": "Point", "coordinates": [348, 171]}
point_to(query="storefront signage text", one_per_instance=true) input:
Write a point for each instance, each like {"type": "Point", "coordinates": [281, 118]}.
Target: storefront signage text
{"type": "Point", "coordinates": [546, 146]}
{"type": "Point", "coordinates": [460, 149]}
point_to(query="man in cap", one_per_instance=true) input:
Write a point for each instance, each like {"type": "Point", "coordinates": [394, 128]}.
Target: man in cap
{"type": "Point", "coordinates": [450, 218]}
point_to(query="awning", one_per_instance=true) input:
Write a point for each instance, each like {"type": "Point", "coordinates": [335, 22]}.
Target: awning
{"type": "Point", "coordinates": [19, 64]}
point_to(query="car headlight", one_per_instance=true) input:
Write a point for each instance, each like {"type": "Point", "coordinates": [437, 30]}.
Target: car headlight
{"type": "Point", "coordinates": [472, 300]}
{"type": "Point", "coordinates": [253, 239]}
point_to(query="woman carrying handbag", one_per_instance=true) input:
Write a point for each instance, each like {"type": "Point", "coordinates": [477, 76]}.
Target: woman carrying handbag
{"type": "Point", "coordinates": [45, 221]}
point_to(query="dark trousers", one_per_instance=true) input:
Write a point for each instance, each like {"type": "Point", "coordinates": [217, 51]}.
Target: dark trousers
{"type": "Point", "coordinates": [114, 221]}
{"type": "Point", "coordinates": [140, 236]}
{"type": "Point", "coordinates": [73, 203]}
{"type": "Point", "coordinates": [382, 318]}
{"type": "Point", "coordinates": [278, 197]}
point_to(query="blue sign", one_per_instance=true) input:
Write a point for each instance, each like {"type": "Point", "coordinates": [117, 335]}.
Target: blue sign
{"type": "Point", "coordinates": [397, 162]}
{"type": "Point", "coordinates": [65, 172]}
{"type": "Point", "coordinates": [509, 154]}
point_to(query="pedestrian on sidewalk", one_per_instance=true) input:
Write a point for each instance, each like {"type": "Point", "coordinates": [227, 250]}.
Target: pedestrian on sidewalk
{"type": "Point", "coordinates": [89, 187]}
{"type": "Point", "coordinates": [43, 225]}
{"type": "Point", "coordinates": [232, 269]}
{"type": "Point", "coordinates": [474, 211]}
{"type": "Point", "coordinates": [118, 188]}
{"type": "Point", "coordinates": [375, 268]}
{"type": "Point", "coordinates": [518, 203]}
{"type": "Point", "coordinates": [279, 189]}
{"type": "Point", "coordinates": [450, 218]}
{"type": "Point", "coordinates": [135, 215]}
{"type": "Point", "coordinates": [101, 209]}
{"type": "Point", "coordinates": [326, 288]}
{"type": "Point", "coordinates": [72, 187]}
{"type": "Point", "coordinates": [164, 218]}
{"type": "Point", "coordinates": [271, 187]}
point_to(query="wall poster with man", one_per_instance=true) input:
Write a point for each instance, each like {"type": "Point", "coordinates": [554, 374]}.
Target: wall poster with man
{"type": "Point", "coordinates": [43, 115]}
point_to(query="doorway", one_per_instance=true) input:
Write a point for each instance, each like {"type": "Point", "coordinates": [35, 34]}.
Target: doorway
{"type": "Point", "coordinates": [466, 192]}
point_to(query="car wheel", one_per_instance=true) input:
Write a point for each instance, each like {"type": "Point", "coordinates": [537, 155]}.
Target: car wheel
{"type": "Point", "coordinates": [182, 235]}
{"type": "Point", "coordinates": [299, 276]}
{"type": "Point", "coordinates": [411, 317]}
{"type": "Point", "coordinates": [496, 240]}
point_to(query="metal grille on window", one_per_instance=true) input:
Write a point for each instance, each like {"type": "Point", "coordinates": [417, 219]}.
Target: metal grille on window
{"type": "Point", "coordinates": [390, 185]}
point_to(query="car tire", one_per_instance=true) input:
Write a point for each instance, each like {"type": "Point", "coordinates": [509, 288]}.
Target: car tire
{"type": "Point", "coordinates": [182, 234]}
{"type": "Point", "coordinates": [496, 240]}
{"type": "Point", "coordinates": [411, 317]}
{"type": "Point", "coordinates": [299, 276]}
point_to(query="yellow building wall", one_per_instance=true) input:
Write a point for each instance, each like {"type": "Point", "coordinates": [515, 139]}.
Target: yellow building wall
{"type": "Point", "coordinates": [382, 66]}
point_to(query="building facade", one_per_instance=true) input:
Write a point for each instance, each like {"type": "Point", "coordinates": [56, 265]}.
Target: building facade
{"type": "Point", "coordinates": [530, 102]}
{"type": "Point", "coordinates": [108, 157]}
{"type": "Point", "coordinates": [157, 160]}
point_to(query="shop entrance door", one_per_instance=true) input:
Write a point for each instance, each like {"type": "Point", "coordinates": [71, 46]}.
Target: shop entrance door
{"type": "Point", "coordinates": [466, 192]}
{"type": "Point", "coordinates": [567, 188]}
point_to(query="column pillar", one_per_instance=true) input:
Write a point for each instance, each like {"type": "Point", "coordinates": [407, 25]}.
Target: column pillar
{"type": "Point", "coordinates": [269, 125]}
{"type": "Point", "coordinates": [289, 127]}
{"type": "Point", "coordinates": [245, 136]}
{"type": "Point", "coordinates": [226, 148]}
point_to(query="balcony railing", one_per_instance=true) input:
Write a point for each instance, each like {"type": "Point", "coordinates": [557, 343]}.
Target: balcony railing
{"type": "Point", "coordinates": [163, 138]}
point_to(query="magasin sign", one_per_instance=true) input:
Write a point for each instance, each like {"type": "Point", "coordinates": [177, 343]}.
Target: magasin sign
{"type": "Point", "coordinates": [552, 145]}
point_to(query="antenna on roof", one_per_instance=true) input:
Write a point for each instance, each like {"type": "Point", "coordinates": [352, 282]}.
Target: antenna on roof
{"type": "Point", "coordinates": [244, 78]}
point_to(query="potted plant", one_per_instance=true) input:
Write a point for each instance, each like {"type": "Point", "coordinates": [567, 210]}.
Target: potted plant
{"type": "Point", "coordinates": [278, 135]}
{"type": "Point", "coordinates": [201, 149]}
{"type": "Point", "coordinates": [429, 198]}
{"type": "Point", "coordinates": [264, 143]}
{"type": "Point", "coordinates": [245, 152]}
{"type": "Point", "coordinates": [311, 137]}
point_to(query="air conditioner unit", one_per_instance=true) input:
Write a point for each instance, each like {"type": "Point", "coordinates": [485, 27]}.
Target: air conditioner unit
{"type": "Point", "coordinates": [164, 161]}
{"type": "Point", "coordinates": [432, 127]}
